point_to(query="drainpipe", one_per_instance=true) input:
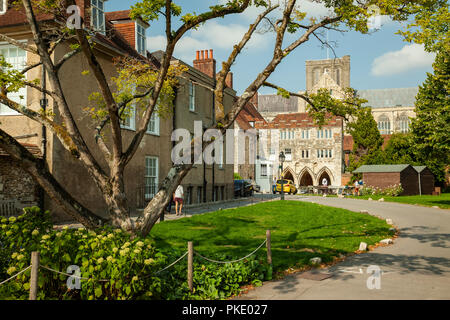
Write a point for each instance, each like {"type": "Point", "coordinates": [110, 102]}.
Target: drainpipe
{"type": "Point", "coordinates": [205, 183]}
{"type": "Point", "coordinates": [43, 104]}
{"type": "Point", "coordinates": [420, 186]}
{"type": "Point", "coordinates": [213, 122]}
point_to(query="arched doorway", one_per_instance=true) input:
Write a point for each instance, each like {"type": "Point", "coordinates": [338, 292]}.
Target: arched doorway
{"type": "Point", "coordinates": [323, 176]}
{"type": "Point", "coordinates": [306, 180]}
{"type": "Point", "coordinates": [288, 176]}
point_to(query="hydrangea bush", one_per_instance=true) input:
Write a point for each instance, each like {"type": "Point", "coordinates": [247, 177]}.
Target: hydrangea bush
{"type": "Point", "coordinates": [391, 191]}
{"type": "Point", "coordinates": [129, 265]}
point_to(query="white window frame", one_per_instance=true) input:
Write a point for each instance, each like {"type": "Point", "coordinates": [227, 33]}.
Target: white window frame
{"type": "Point", "coordinates": [141, 36]}
{"type": "Point", "coordinates": [264, 171]}
{"type": "Point", "coordinates": [305, 134]}
{"type": "Point", "coordinates": [3, 7]}
{"type": "Point", "coordinates": [191, 96]}
{"type": "Point", "coordinates": [404, 124]}
{"type": "Point", "coordinates": [147, 175]}
{"type": "Point", "coordinates": [10, 112]}
{"type": "Point", "coordinates": [95, 8]}
{"type": "Point", "coordinates": [132, 119]}
{"type": "Point", "coordinates": [384, 125]}
{"type": "Point", "coordinates": [156, 120]}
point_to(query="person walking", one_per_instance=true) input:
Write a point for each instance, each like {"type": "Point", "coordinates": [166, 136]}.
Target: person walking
{"type": "Point", "coordinates": [179, 197]}
{"type": "Point", "coordinates": [356, 188]}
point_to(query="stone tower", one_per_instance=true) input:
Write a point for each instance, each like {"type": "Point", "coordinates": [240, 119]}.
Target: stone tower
{"type": "Point", "coordinates": [338, 69]}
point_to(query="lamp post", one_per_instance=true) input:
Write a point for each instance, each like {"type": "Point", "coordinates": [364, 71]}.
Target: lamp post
{"type": "Point", "coordinates": [282, 158]}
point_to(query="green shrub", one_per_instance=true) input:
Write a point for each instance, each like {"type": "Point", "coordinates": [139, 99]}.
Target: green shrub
{"type": "Point", "coordinates": [129, 265]}
{"type": "Point", "coordinates": [391, 191]}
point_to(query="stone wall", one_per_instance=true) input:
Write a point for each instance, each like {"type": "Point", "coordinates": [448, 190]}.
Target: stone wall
{"type": "Point", "coordinates": [17, 187]}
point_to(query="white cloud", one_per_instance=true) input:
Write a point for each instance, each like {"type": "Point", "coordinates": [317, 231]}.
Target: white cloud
{"type": "Point", "coordinates": [156, 43]}
{"type": "Point", "coordinates": [395, 62]}
{"type": "Point", "coordinates": [212, 35]}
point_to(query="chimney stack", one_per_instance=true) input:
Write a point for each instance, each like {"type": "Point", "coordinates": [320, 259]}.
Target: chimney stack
{"type": "Point", "coordinates": [229, 80]}
{"type": "Point", "coordinates": [206, 63]}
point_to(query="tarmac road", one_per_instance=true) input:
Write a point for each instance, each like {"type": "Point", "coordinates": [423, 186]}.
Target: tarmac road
{"type": "Point", "coordinates": [416, 266]}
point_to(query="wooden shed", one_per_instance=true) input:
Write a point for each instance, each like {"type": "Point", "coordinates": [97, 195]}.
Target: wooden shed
{"type": "Point", "coordinates": [426, 179]}
{"type": "Point", "coordinates": [383, 176]}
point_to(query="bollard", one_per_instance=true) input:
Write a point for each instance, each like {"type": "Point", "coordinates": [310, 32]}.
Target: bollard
{"type": "Point", "coordinates": [34, 275]}
{"type": "Point", "coordinates": [190, 266]}
{"type": "Point", "coordinates": [269, 248]}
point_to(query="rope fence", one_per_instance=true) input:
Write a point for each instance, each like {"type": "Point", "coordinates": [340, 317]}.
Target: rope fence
{"type": "Point", "coordinates": [15, 276]}
{"type": "Point", "coordinates": [234, 261]}
{"type": "Point", "coordinates": [35, 266]}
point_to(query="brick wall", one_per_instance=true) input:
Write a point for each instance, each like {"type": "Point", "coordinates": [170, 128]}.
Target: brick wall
{"type": "Point", "coordinates": [16, 186]}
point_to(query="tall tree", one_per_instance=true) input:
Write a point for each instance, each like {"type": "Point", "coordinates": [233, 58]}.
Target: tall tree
{"type": "Point", "coordinates": [431, 127]}
{"type": "Point", "coordinates": [400, 150]}
{"type": "Point", "coordinates": [367, 140]}
{"type": "Point", "coordinates": [289, 19]}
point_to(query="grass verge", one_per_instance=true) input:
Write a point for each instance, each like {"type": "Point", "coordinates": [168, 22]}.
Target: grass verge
{"type": "Point", "coordinates": [442, 201]}
{"type": "Point", "coordinates": [300, 231]}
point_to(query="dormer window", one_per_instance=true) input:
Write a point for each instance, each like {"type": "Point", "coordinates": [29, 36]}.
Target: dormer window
{"type": "Point", "coordinates": [98, 15]}
{"type": "Point", "coordinates": [3, 6]}
{"type": "Point", "coordinates": [141, 38]}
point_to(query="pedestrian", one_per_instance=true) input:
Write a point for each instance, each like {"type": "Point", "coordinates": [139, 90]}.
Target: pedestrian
{"type": "Point", "coordinates": [179, 196]}
{"type": "Point", "coordinates": [356, 188]}
{"type": "Point", "coordinates": [325, 185]}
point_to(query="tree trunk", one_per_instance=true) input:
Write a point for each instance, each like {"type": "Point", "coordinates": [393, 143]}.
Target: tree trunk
{"type": "Point", "coordinates": [38, 169]}
{"type": "Point", "coordinates": [160, 201]}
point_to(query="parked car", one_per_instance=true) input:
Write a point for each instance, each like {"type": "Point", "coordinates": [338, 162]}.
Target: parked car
{"type": "Point", "coordinates": [288, 186]}
{"type": "Point", "coordinates": [256, 188]}
{"type": "Point", "coordinates": [243, 188]}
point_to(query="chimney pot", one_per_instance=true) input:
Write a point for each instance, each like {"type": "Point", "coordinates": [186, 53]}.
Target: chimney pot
{"type": "Point", "coordinates": [206, 54]}
{"type": "Point", "coordinates": [198, 55]}
{"type": "Point", "coordinates": [211, 54]}
{"type": "Point", "coordinates": [203, 55]}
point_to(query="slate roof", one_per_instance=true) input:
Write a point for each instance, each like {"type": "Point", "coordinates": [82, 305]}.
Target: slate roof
{"type": "Point", "coordinates": [381, 168]}
{"type": "Point", "coordinates": [389, 98]}
{"type": "Point", "coordinates": [276, 103]}
{"type": "Point", "coordinates": [420, 168]}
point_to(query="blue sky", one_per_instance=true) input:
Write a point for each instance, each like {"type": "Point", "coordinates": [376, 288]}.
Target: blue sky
{"type": "Point", "coordinates": [379, 60]}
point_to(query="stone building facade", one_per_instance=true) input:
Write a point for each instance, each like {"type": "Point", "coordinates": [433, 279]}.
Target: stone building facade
{"type": "Point", "coordinates": [391, 108]}
{"type": "Point", "coordinates": [152, 161]}
{"type": "Point", "coordinates": [312, 154]}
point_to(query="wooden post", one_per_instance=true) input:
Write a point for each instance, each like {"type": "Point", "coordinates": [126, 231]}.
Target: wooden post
{"type": "Point", "coordinates": [190, 266]}
{"type": "Point", "coordinates": [269, 247]}
{"type": "Point", "coordinates": [34, 275]}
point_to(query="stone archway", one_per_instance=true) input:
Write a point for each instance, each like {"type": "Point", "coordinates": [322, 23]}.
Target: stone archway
{"type": "Point", "coordinates": [306, 179]}
{"type": "Point", "coordinates": [323, 176]}
{"type": "Point", "coordinates": [288, 175]}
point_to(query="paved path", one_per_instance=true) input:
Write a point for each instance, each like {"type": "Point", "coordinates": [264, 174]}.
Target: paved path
{"type": "Point", "coordinates": [417, 266]}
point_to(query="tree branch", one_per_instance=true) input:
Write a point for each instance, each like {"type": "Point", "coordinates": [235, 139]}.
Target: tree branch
{"type": "Point", "coordinates": [38, 169]}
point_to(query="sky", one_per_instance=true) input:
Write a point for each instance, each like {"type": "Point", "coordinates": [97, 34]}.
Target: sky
{"type": "Point", "coordinates": [379, 60]}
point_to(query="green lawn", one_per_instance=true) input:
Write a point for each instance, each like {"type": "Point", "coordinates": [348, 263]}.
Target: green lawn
{"type": "Point", "coordinates": [442, 201]}
{"type": "Point", "coordinates": [300, 231]}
